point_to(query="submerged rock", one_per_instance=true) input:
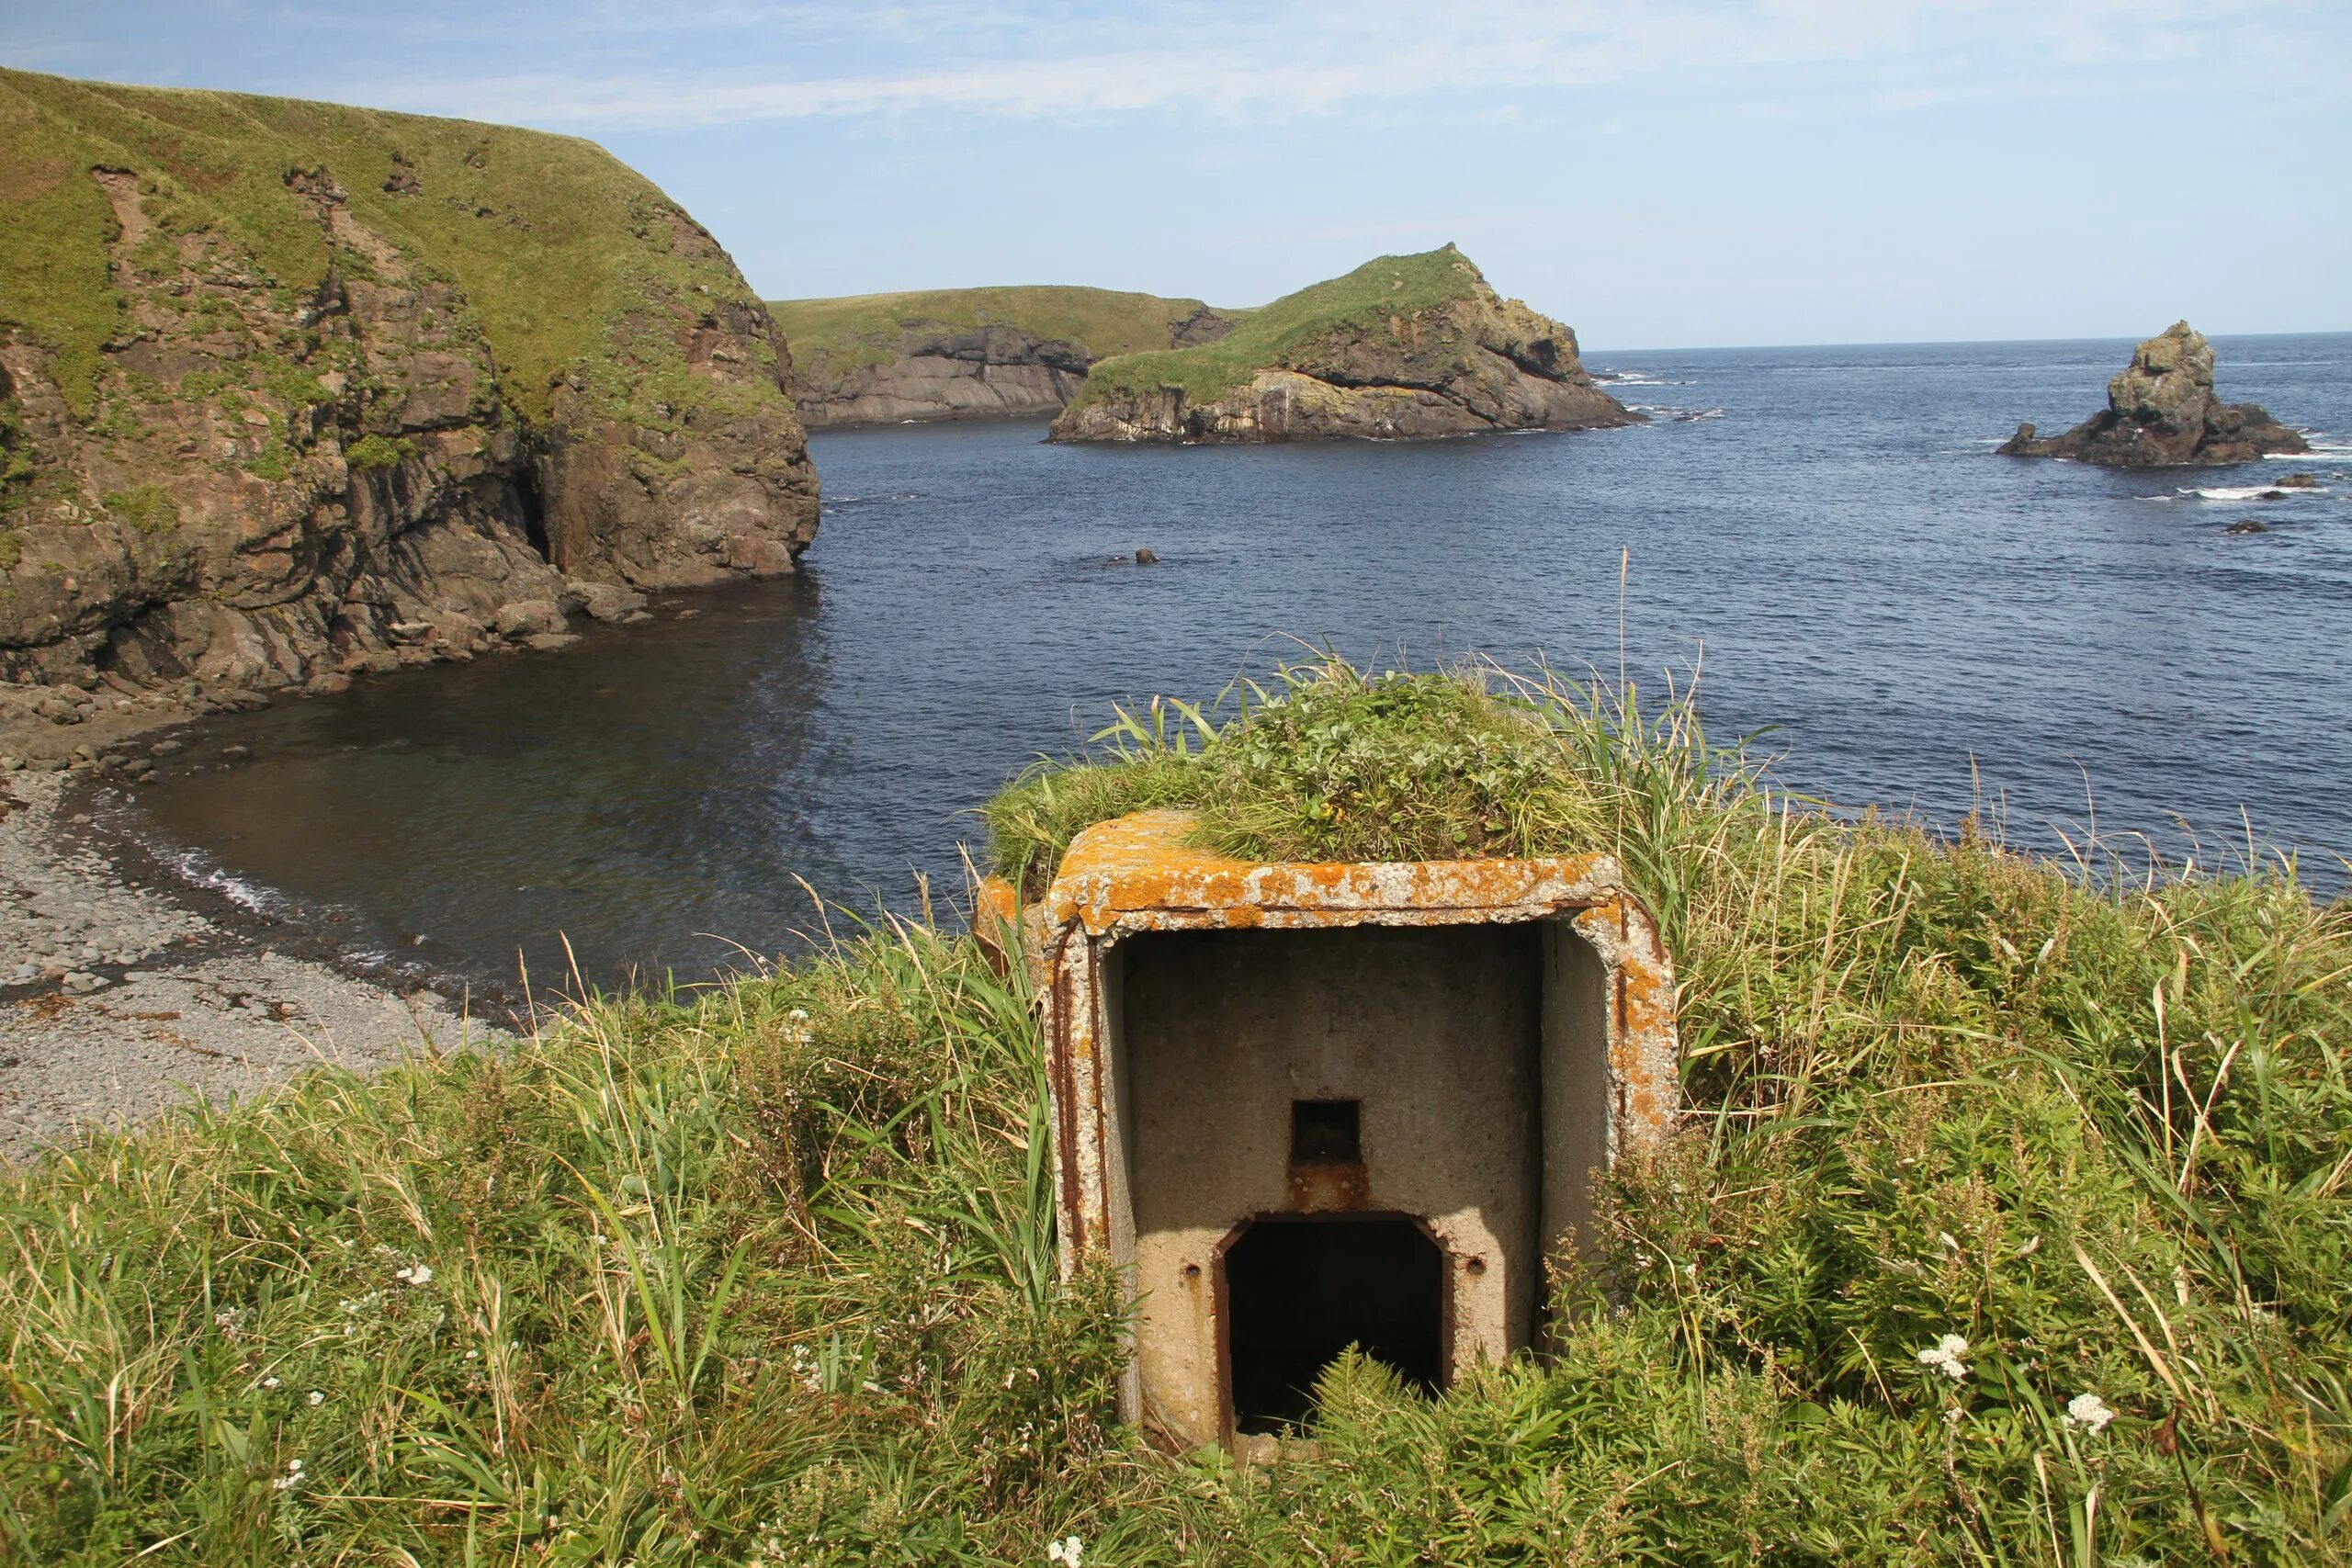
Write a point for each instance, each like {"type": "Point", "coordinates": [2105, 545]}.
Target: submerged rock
{"type": "Point", "coordinates": [2161, 411]}
{"type": "Point", "coordinates": [2247, 526]}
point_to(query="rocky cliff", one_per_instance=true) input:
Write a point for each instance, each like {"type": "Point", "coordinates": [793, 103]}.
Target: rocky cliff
{"type": "Point", "coordinates": [289, 391]}
{"type": "Point", "coordinates": [1403, 346]}
{"type": "Point", "coordinates": [2162, 411]}
{"type": "Point", "coordinates": [971, 352]}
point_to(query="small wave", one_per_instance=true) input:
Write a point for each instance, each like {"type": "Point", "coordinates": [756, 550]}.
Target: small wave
{"type": "Point", "coordinates": [2247, 492]}
{"type": "Point", "coordinates": [834, 503]}
{"type": "Point", "coordinates": [199, 870]}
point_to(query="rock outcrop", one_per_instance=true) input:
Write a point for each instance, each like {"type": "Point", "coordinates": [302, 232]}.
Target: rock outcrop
{"type": "Point", "coordinates": [289, 391]}
{"type": "Point", "coordinates": [1404, 346]}
{"type": "Point", "coordinates": [2161, 411]}
{"type": "Point", "coordinates": [971, 352]}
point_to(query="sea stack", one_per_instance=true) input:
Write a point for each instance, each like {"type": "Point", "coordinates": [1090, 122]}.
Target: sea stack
{"type": "Point", "coordinates": [1404, 346]}
{"type": "Point", "coordinates": [2161, 411]}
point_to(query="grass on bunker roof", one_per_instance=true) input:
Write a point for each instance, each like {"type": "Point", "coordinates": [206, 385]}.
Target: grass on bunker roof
{"type": "Point", "coordinates": [2008, 1224]}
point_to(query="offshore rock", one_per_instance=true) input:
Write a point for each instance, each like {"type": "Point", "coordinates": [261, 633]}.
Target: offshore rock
{"type": "Point", "coordinates": [2161, 411]}
{"type": "Point", "coordinates": [1406, 347]}
{"type": "Point", "coordinates": [293, 390]}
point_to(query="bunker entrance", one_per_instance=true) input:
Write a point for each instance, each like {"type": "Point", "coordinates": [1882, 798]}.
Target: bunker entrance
{"type": "Point", "coordinates": [1299, 1291]}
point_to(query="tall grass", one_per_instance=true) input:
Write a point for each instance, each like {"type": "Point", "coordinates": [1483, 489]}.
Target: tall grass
{"type": "Point", "coordinates": [765, 1275]}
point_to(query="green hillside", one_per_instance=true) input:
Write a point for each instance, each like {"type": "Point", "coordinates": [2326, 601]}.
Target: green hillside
{"type": "Point", "coordinates": [2008, 1222]}
{"type": "Point", "coordinates": [864, 329]}
{"type": "Point", "coordinates": [551, 239]}
{"type": "Point", "coordinates": [1369, 296]}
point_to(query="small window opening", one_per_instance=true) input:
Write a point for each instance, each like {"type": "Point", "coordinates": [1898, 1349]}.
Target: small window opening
{"type": "Point", "coordinates": [1301, 1291]}
{"type": "Point", "coordinates": [1325, 1132]}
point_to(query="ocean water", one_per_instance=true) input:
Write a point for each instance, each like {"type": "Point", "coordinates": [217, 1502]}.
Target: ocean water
{"type": "Point", "coordinates": [1822, 535]}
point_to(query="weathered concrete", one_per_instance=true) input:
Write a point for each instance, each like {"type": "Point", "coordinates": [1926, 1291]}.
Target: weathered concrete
{"type": "Point", "coordinates": [1503, 1029]}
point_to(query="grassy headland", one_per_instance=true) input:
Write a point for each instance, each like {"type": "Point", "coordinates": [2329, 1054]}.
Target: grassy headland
{"type": "Point", "coordinates": [2010, 1223]}
{"type": "Point", "coordinates": [553, 241]}
{"type": "Point", "coordinates": [1384, 290]}
{"type": "Point", "coordinates": [866, 328]}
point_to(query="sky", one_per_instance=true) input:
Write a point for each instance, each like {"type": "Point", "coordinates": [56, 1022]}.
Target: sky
{"type": "Point", "coordinates": [1656, 173]}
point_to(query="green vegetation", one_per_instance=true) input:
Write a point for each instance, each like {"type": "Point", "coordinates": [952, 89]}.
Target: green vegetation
{"type": "Point", "coordinates": [551, 241]}
{"type": "Point", "coordinates": [2009, 1224]}
{"type": "Point", "coordinates": [148, 508]}
{"type": "Point", "coordinates": [372, 451]}
{"type": "Point", "coordinates": [864, 330]}
{"type": "Point", "coordinates": [1367, 300]}
{"type": "Point", "coordinates": [12, 550]}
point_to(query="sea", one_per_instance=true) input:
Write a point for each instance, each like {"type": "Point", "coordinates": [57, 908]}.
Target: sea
{"type": "Point", "coordinates": [1820, 541]}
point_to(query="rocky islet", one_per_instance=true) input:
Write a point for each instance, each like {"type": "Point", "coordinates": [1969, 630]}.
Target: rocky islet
{"type": "Point", "coordinates": [2161, 411]}
{"type": "Point", "coordinates": [1404, 347]}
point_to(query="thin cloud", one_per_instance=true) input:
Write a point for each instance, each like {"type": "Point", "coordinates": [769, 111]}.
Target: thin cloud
{"type": "Point", "coordinates": [1313, 58]}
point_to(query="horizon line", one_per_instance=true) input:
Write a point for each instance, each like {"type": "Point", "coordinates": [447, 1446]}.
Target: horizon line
{"type": "Point", "coordinates": [1584, 349]}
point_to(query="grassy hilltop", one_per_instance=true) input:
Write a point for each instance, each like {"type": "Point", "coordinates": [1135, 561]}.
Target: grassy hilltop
{"type": "Point", "coordinates": [866, 328]}
{"type": "Point", "coordinates": [969, 353]}
{"type": "Point", "coordinates": [2011, 1222]}
{"type": "Point", "coordinates": [1384, 288]}
{"type": "Point", "coordinates": [553, 241]}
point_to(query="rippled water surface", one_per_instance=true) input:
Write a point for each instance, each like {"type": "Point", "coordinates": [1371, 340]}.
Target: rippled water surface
{"type": "Point", "coordinates": [1829, 524]}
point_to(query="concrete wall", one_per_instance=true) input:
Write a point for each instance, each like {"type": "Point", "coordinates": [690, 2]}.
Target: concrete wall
{"type": "Point", "coordinates": [1439, 1030]}
{"type": "Point", "coordinates": [1576, 1084]}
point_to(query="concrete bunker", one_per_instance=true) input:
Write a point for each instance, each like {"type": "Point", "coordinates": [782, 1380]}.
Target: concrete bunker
{"type": "Point", "coordinates": [1304, 1107]}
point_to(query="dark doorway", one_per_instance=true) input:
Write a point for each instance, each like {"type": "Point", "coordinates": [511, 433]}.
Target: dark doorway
{"type": "Point", "coordinates": [1299, 1291]}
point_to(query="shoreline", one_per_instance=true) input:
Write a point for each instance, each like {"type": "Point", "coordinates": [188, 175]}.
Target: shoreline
{"type": "Point", "coordinates": [125, 992]}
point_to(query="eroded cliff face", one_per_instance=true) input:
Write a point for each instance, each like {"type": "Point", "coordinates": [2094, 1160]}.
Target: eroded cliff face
{"type": "Point", "coordinates": [972, 354]}
{"type": "Point", "coordinates": [991, 372]}
{"type": "Point", "coordinates": [1467, 365]}
{"type": "Point", "coordinates": [265, 477]}
{"type": "Point", "coordinates": [2161, 411]}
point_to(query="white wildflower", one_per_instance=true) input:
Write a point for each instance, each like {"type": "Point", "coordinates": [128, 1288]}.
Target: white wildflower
{"type": "Point", "coordinates": [269, 1383]}
{"type": "Point", "coordinates": [2088, 1410]}
{"type": "Point", "coordinates": [292, 1479]}
{"type": "Point", "coordinates": [1945, 1357]}
{"type": "Point", "coordinates": [317, 1398]}
{"type": "Point", "coordinates": [1069, 1550]}
{"type": "Point", "coordinates": [417, 1274]}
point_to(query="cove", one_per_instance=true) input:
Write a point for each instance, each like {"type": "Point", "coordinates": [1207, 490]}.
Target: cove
{"type": "Point", "coordinates": [1914, 623]}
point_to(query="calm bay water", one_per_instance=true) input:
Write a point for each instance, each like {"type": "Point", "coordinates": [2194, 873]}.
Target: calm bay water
{"type": "Point", "coordinates": [1829, 526]}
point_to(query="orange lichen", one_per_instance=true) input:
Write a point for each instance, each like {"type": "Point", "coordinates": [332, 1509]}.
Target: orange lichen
{"type": "Point", "coordinates": [1140, 864]}
{"type": "Point", "coordinates": [1138, 875]}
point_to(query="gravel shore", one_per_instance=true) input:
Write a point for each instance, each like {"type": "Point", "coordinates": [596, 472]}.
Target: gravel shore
{"type": "Point", "coordinates": [117, 1002]}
